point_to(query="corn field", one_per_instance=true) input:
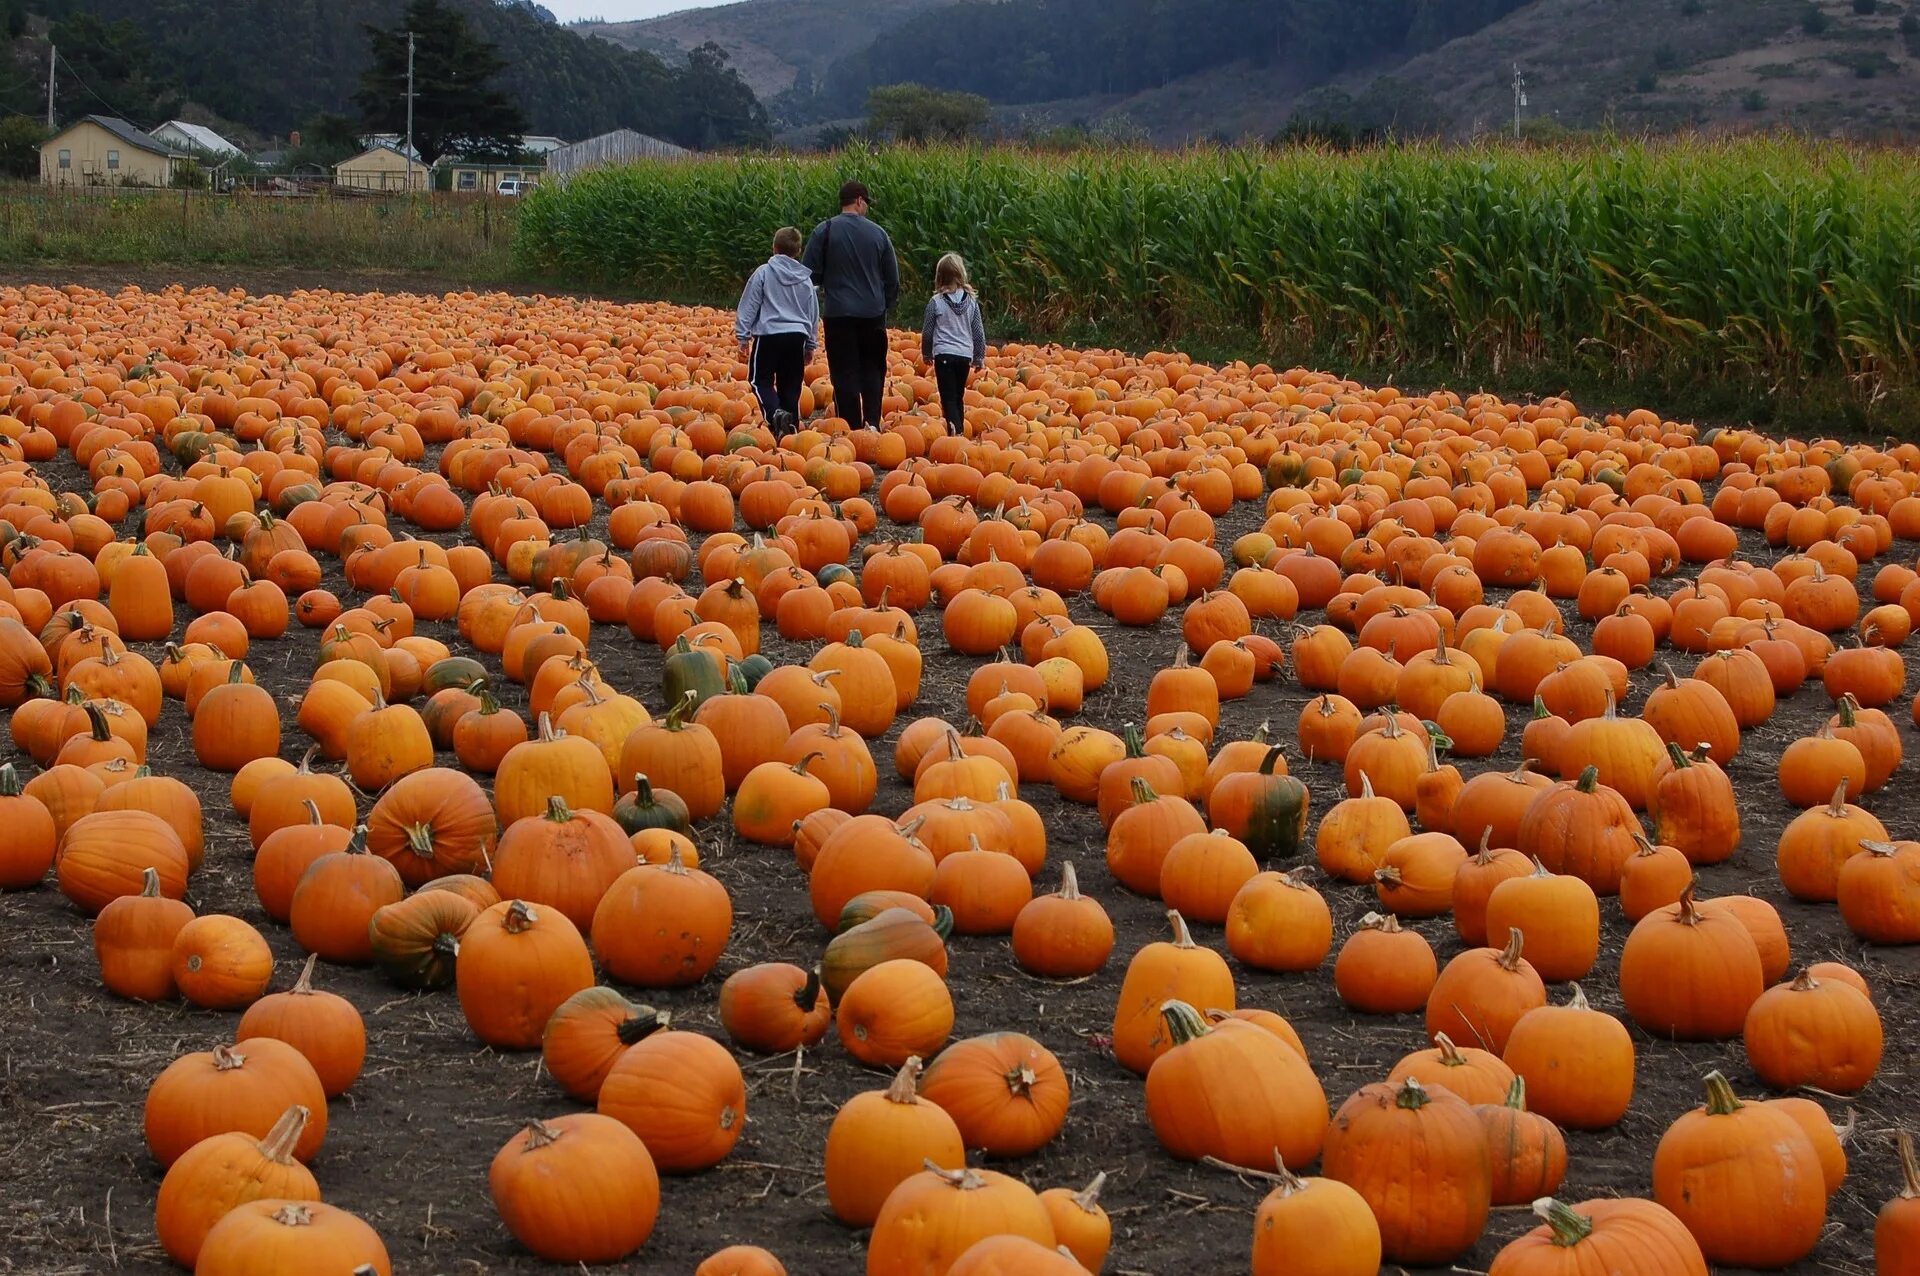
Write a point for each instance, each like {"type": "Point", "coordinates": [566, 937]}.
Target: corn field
{"type": "Point", "coordinates": [1773, 261]}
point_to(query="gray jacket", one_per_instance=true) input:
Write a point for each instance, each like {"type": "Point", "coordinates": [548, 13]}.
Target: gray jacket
{"type": "Point", "coordinates": [852, 260]}
{"type": "Point", "coordinates": [952, 326]}
{"type": "Point", "coordinates": [779, 298]}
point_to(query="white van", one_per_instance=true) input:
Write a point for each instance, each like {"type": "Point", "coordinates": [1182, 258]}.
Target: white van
{"type": "Point", "coordinates": [512, 186]}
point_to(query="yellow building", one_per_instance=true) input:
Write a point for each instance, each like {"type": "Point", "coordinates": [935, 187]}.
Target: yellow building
{"type": "Point", "coordinates": [473, 177]}
{"type": "Point", "coordinates": [380, 168]}
{"type": "Point", "coordinates": [100, 150]}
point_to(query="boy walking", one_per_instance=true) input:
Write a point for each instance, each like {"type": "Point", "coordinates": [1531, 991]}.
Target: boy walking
{"type": "Point", "coordinates": [777, 325]}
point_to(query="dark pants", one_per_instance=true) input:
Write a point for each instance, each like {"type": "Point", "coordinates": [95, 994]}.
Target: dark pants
{"type": "Point", "coordinates": [950, 375]}
{"type": "Point", "coordinates": [857, 363]}
{"type": "Point", "coordinates": [778, 369]}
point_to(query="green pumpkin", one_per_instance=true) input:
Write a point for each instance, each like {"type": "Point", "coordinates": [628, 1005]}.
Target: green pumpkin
{"type": "Point", "coordinates": [1277, 818]}
{"type": "Point", "coordinates": [650, 808]}
{"type": "Point", "coordinates": [837, 571]}
{"type": "Point", "coordinates": [690, 673]}
{"type": "Point", "coordinates": [454, 671]}
{"type": "Point", "coordinates": [750, 671]}
{"type": "Point", "coordinates": [890, 935]}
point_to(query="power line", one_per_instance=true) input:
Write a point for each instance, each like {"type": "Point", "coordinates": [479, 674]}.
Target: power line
{"type": "Point", "coordinates": [75, 77]}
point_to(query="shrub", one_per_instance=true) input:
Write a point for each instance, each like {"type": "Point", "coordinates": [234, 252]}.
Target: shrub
{"type": "Point", "coordinates": [1814, 20]}
{"type": "Point", "coordinates": [1753, 100]}
{"type": "Point", "coordinates": [1865, 6]}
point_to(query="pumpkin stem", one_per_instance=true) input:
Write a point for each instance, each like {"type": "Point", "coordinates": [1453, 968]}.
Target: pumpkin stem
{"type": "Point", "coordinates": [1271, 759]}
{"type": "Point", "coordinates": [1366, 787]}
{"type": "Point", "coordinates": [1804, 981]}
{"type": "Point", "coordinates": [227, 1058]}
{"type": "Point", "coordinates": [1181, 937]}
{"type": "Point", "coordinates": [1680, 762]}
{"type": "Point", "coordinates": [905, 1087]}
{"type": "Point", "coordinates": [557, 810]}
{"type": "Point", "coordinates": [1517, 1094]}
{"type": "Point", "coordinates": [1069, 882]}
{"type": "Point", "coordinates": [1262, 733]}
{"type": "Point", "coordinates": [1412, 1095]}
{"type": "Point", "coordinates": [1510, 955]}
{"type": "Point", "coordinates": [149, 880]}
{"type": "Point", "coordinates": [519, 917]}
{"type": "Point", "coordinates": [1721, 1100]}
{"type": "Point", "coordinates": [1688, 912]}
{"type": "Point", "coordinates": [279, 1143]}
{"type": "Point", "coordinates": [539, 1134]}
{"type": "Point", "coordinates": [674, 863]}
{"type": "Point", "coordinates": [638, 1027]}
{"type": "Point", "coordinates": [1837, 805]}
{"type": "Point", "coordinates": [304, 984]}
{"type": "Point", "coordinates": [809, 992]}
{"type": "Point", "coordinates": [1450, 1056]}
{"type": "Point", "coordinates": [1589, 779]}
{"type": "Point", "coordinates": [1909, 1166]}
{"type": "Point", "coordinates": [967, 1180]}
{"type": "Point", "coordinates": [1143, 792]}
{"type": "Point", "coordinates": [1088, 1197]}
{"type": "Point", "coordinates": [1569, 1228]}
{"type": "Point", "coordinates": [419, 839]}
{"type": "Point", "coordinates": [1184, 1023]}
{"type": "Point", "coordinates": [800, 767]}
{"type": "Point", "coordinates": [1136, 744]}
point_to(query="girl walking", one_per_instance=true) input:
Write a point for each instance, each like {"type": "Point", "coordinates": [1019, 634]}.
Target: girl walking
{"type": "Point", "coordinates": [953, 337]}
{"type": "Point", "coordinates": [777, 325]}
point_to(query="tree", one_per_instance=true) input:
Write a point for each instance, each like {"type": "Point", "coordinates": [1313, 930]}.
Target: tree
{"type": "Point", "coordinates": [20, 138]}
{"type": "Point", "coordinates": [325, 140]}
{"type": "Point", "coordinates": [108, 70]}
{"type": "Point", "coordinates": [717, 108]}
{"type": "Point", "coordinates": [456, 111]}
{"type": "Point", "coordinates": [916, 113]}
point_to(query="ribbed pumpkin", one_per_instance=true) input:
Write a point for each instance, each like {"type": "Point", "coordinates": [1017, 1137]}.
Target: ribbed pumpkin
{"type": "Point", "coordinates": [1232, 1091]}
{"type": "Point", "coordinates": [245, 1088]}
{"type": "Point", "coordinates": [297, 1238]}
{"type": "Point", "coordinates": [1814, 1033]}
{"type": "Point", "coordinates": [588, 1034]}
{"type": "Point", "coordinates": [1419, 1158]}
{"type": "Point", "coordinates": [563, 859]}
{"type": "Point", "coordinates": [1578, 1063]}
{"type": "Point", "coordinates": [1006, 1092]}
{"type": "Point", "coordinates": [133, 941]}
{"type": "Point", "coordinates": [517, 964]}
{"type": "Point", "coordinates": [1610, 1235]}
{"type": "Point", "coordinates": [1482, 993]}
{"type": "Point", "coordinates": [1167, 970]}
{"type": "Point", "coordinates": [935, 1216]}
{"type": "Point", "coordinates": [1744, 1179]}
{"type": "Point", "coordinates": [223, 1172]}
{"type": "Point", "coordinates": [775, 1007]}
{"type": "Point", "coordinates": [323, 1026]}
{"type": "Point", "coordinates": [579, 1188]}
{"type": "Point", "coordinates": [880, 1138]}
{"type": "Point", "coordinates": [683, 1094]}
{"type": "Point", "coordinates": [1314, 1227]}
{"type": "Point", "coordinates": [1690, 974]}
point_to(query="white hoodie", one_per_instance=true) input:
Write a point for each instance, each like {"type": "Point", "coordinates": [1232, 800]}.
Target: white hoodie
{"type": "Point", "coordinates": [779, 297]}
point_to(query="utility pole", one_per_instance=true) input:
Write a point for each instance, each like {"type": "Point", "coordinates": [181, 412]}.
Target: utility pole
{"type": "Point", "coordinates": [53, 51]}
{"type": "Point", "coordinates": [1519, 99]}
{"type": "Point", "coordinates": [409, 112]}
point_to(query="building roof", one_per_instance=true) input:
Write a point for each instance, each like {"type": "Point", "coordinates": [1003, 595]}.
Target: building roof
{"type": "Point", "coordinates": [391, 142]}
{"type": "Point", "coordinates": [378, 146]}
{"type": "Point", "coordinates": [611, 148]}
{"type": "Point", "coordinates": [124, 131]}
{"type": "Point", "coordinates": [202, 137]}
{"type": "Point", "coordinates": [541, 143]}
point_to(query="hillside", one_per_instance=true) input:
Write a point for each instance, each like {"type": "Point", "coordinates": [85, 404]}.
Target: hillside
{"type": "Point", "coordinates": [1175, 71]}
{"type": "Point", "coordinates": [304, 58]}
{"type": "Point", "coordinates": [773, 44]}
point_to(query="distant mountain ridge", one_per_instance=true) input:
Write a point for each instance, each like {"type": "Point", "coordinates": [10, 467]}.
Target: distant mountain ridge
{"type": "Point", "coordinates": [1182, 70]}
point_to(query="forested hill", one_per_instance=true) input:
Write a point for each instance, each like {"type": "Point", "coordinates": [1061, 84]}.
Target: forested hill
{"type": "Point", "coordinates": [271, 65]}
{"type": "Point", "coordinates": [1178, 70]}
{"type": "Point", "coordinates": [1043, 50]}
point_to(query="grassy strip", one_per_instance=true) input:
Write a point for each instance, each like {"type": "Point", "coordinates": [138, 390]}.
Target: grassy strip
{"type": "Point", "coordinates": [443, 234]}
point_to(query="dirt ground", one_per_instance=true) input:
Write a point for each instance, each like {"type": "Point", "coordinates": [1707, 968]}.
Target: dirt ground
{"type": "Point", "coordinates": [408, 1147]}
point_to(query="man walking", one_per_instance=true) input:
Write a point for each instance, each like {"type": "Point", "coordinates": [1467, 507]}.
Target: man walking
{"type": "Point", "coordinates": [853, 262]}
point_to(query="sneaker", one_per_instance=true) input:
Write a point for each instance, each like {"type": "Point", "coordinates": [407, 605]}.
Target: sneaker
{"type": "Point", "coordinates": [781, 423]}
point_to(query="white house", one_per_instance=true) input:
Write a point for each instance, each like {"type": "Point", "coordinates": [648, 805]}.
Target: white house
{"type": "Point", "coordinates": [195, 139]}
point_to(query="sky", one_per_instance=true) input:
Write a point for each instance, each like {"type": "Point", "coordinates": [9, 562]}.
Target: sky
{"type": "Point", "coordinates": [622, 10]}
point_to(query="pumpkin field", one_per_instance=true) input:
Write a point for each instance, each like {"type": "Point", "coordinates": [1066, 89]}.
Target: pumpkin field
{"type": "Point", "coordinates": [473, 802]}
